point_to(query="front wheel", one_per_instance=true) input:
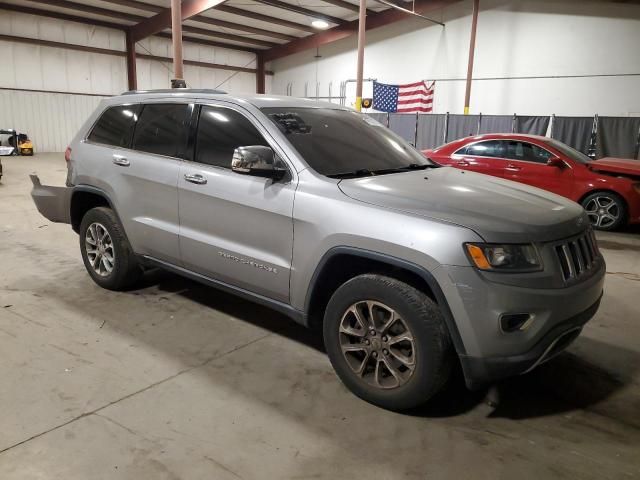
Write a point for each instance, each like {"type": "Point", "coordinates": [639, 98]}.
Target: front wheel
{"type": "Point", "coordinates": [606, 210]}
{"type": "Point", "coordinates": [387, 342]}
{"type": "Point", "coordinates": [105, 250]}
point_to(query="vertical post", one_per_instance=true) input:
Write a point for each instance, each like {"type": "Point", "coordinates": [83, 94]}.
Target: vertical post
{"type": "Point", "coordinates": [446, 128]}
{"type": "Point", "coordinates": [260, 73]}
{"type": "Point", "coordinates": [362, 25]}
{"type": "Point", "coordinates": [553, 125]}
{"type": "Point", "coordinates": [479, 123]}
{"type": "Point", "coordinates": [176, 38]}
{"type": "Point", "coordinates": [132, 77]}
{"type": "Point", "coordinates": [415, 132]}
{"type": "Point", "coordinates": [513, 123]}
{"type": "Point", "coordinates": [472, 50]}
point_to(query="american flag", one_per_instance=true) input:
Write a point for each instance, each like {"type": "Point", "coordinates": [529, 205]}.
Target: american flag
{"type": "Point", "coordinates": [408, 98]}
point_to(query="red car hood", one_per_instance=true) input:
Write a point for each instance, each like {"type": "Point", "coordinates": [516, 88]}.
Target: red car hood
{"type": "Point", "coordinates": [616, 165]}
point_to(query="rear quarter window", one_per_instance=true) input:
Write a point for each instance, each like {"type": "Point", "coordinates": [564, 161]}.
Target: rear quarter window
{"type": "Point", "coordinates": [115, 126]}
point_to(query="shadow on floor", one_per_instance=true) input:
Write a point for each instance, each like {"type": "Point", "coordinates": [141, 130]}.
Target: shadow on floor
{"type": "Point", "coordinates": [564, 384]}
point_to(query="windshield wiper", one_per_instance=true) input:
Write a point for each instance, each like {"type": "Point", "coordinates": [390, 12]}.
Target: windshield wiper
{"type": "Point", "coordinates": [361, 172]}
{"type": "Point", "coordinates": [406, 168]}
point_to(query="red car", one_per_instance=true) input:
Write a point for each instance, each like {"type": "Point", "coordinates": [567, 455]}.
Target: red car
{"type": "Point", "coordinates": [608, 189]}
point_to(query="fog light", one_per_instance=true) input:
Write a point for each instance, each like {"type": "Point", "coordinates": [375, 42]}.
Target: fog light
{"type": "Point", "coordinates": [513, 322]}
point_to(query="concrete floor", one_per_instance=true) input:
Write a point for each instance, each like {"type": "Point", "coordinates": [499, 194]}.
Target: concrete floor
{"type": "Point", "coordinates": [178, 381]}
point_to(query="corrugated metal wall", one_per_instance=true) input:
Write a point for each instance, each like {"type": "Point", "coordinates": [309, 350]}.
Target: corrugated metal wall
{"type": "Point", "coordinates": [50, 119]}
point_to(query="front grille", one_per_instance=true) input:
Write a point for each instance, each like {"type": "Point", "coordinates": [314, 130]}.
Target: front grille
{"type": "Point", "coordinates": [577, 256]}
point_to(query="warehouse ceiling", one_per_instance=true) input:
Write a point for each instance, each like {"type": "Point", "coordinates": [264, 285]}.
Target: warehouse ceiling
{"type": "Point", "coordinates": [252, 25]}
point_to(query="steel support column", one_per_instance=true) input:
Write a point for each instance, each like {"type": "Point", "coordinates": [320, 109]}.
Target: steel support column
{"type": "Point", "coordinates": [132, 76]}
{"type": "Point", "coordinates": [176, 38]}
{"type": "Point", "coordinates": [260, 73]}
{"type": "Point", "coordinates": [362, 26]}
{"type": "Point", "coordinates": [472, 50]}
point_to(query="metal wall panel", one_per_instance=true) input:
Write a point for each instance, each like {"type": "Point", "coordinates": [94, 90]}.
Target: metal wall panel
{"type": "Point", "coordinates": [50, 119]}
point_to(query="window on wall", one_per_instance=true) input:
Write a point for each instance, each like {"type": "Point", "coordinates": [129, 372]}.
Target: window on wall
{"type": "Point", "coordinates": [162, 129]}
{"type": "Point", "coordinates": [526, 152]}
{"type": "Point", "coordinates": [115, 126]}
{"type": "Point", "coordinates": [220, 132]}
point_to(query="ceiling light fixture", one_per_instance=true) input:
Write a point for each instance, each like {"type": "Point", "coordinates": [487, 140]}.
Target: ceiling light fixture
{"type": "Point", "coordinates": [320, 24]}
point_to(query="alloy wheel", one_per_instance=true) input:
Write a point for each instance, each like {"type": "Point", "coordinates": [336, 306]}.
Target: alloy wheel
{"type": "Point", "coordinates": [99, 249]}
{"type": "Point", "coordinates": [377, 344]}
{"type": "Point", "coordinates": [602, 211]}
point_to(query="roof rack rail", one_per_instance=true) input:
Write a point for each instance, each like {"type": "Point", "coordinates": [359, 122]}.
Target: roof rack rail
{"type": "Point", "coordinates": [175, 90]}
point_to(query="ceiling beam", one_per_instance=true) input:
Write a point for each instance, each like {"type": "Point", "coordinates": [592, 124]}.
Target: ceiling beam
{"type": "Point", "coordinates": [210, 43]}
{"type": "Point", "coordinates": [245, 28]}
{"type": "Point", "coordinates": [266, 18]}
{"type": "Point", "coordinates": [162, 20]}
{"type": "Point", "coordinates": [235, 11]}
{"type": "Point", "coordinates": [61, 16]}
{"type": "Point", "coordinates": [347, 6]}
{"type": "Point", "coordinates": [81, 7]}
{"type": "Point", "coordinates": [302, 11]}
{"type": "Point", "coordinates": [348, 29]}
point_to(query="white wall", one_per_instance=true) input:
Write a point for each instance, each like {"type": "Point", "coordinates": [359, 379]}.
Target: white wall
{"type": "Point", "coordinates": [515, 38]}
{"type": "Point", "coordinates": [51, 119]}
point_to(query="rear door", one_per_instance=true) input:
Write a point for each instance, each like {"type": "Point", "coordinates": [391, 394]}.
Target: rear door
{"type": "Point", "coordinates": [527, 163]}
{"type": "Point", "coordinates": [142, 172]}
{"type": "Point", "coordinates": [483, 157]}
{"type": "Point", "coordinates": [235, 228]}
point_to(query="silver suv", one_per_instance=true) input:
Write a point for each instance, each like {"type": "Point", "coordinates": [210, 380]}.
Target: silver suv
{"type": "Point", "coordinates": [330, 218]}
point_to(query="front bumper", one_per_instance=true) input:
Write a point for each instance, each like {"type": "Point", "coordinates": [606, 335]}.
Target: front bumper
{"type": "Point", "coordinates": [481, 371]}
{"type": "Point", "coordinates": [54, 203]}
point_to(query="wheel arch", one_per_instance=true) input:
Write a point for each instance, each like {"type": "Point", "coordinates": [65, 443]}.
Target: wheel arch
{"type": "Point", "coordinates": [340, 264]}
{"type": "Point", "coordinates": [83, 199]}
{"type": "Point", "coordinates": [603, 190]}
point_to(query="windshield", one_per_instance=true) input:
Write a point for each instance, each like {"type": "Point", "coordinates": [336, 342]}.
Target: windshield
{"type": "Point", "coordinates": [343, 144]}
{"type": "Point", "coordinates": [570, 152]}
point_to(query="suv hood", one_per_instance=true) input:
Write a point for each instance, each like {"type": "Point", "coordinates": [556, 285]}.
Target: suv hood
{"type": "Point", "coordinates": [616, 165]}
{"type": "Point", "coordinates": [498, 210]}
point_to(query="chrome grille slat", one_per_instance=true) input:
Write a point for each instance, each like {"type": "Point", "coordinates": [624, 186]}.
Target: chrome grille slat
{"type": "Point", "coordinates": [577, 256]}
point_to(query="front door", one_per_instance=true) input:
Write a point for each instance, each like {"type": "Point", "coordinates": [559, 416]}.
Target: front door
{"type": "Point", "coordinates": [234, 228]}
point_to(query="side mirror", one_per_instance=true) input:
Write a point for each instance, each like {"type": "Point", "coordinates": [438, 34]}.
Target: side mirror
{"type": "Point", "coordinates": [556, 162]}
{"type": "Point", "coordinates": [257, 161]}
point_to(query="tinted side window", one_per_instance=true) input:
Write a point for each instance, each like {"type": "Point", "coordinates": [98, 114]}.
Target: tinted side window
{"type": "Point", "coordinates": [526, 152]}
{"type": "Point", "coordinates": [162, 129]}
{"type": "Point", "coordinates": [220, 132]}
{"type": "Point", "coordinates": [115, 126]}
{"type": "Point", "coordinates": [491, 148]}
{"type": "Point", "coordinates": [462, 151]}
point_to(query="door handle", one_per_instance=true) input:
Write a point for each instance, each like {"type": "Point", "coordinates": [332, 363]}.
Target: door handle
{"type": "Point", "coordinates": [121, 161]}
{"type": "Point", "coordinates": [513, 168]}
{"type": "Point", "coordinates": [463, 163]}
{"type": "Point", "coordinates": [195, 178]}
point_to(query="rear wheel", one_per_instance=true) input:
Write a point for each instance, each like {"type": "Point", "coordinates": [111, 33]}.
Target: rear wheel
{"type": "Point", "coordinates": [387, 342]}
{"type": "Point", "coordinates": [106, 253]}
{"type": "Point", "coordinates": [606, 210]}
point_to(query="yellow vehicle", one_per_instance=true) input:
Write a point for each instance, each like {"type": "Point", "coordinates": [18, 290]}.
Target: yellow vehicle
{"type": "Point", "coordinates": [25, 145]}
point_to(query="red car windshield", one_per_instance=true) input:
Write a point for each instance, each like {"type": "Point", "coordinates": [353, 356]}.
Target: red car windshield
{"type": "Point", "coordinates": [570, 152]}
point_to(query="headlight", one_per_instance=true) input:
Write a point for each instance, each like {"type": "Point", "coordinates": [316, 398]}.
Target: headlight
{"type": "Point", "coordinates": [504, 258]}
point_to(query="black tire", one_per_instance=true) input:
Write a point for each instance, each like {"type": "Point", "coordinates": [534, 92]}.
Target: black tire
{"type": "Point", "coordinates": [613, 203]}
{"type": "Point", "coordinates": [125, 269]}
{"type": "Point", "coordinates": [432, 351]}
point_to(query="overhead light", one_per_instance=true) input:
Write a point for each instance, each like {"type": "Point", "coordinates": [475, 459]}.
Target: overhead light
{"type": "Point", "coordinates": [320, 24]}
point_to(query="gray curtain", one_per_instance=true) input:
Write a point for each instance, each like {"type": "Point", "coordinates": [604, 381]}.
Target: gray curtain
{"type": "Point", "coordinates": [496, 123]}
{"type": "Point", "coordinates": [461, 126]}
{"type": "Point", "coordinates": [532, 125]}
{"type": "Point", "coordinates": [430, 131]}
{"type": "Point", "coordinates": [574, 131]}
{"type": "Point", "coordinates": [618, 137]}
{"type": "Point", "coordinates": [404, 124]}
{"type": "Point", "coordinates": [379, 116]}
